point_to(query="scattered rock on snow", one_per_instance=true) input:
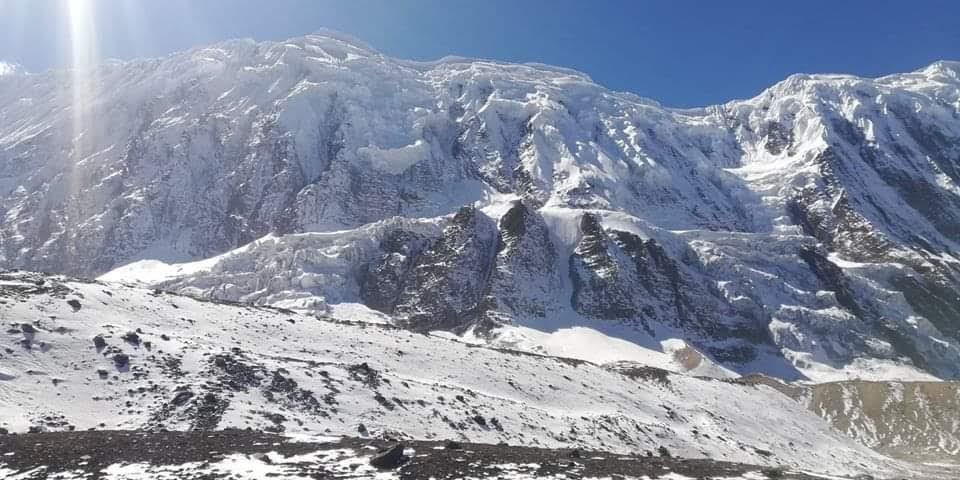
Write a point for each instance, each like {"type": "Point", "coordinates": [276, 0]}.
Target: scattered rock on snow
{"type": "Point", "coordinates": [389, 459]}
{"type": "Point", "coordinates": [451, 445]}
{"type": "Point", "coordinates": [132, 338]}
{"type": "Point", "coordinates": [121, 360]}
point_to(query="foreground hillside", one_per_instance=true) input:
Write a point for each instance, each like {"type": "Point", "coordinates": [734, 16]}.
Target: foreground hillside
{"type": "Point", "coordinates": [90, 355]}
{"type": "Point", "coordinates": [245, 455]}
{"type": "Point", "coordinates": [248, 455]}
{"type": "Point", "coordinates": [808, 233]}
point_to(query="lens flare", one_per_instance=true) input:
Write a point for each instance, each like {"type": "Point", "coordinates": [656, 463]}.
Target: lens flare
{"type": "Point", "coordinates": [83, 48]}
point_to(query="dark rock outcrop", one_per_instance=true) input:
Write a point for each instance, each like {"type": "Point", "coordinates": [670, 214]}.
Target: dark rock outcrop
{"type": "Point", "coordinates": [390, 459]}
{"type": "Point", "coordinates": [449, 281]}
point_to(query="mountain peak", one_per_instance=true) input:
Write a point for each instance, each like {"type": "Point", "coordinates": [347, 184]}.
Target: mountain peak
{"type": "Point", "coordinates": [943, 67]}
{"type": "Point", "coordinates": [327, 35]}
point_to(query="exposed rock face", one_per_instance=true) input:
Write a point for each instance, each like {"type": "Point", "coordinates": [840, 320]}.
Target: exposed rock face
{"type": "Point", "coordinates": [866, 323]}
{"type": "Point", "coordinates": [476, 271]}
{"type": "Point", "coordinates": [382, 280]}
{"type": "Point", "coordinates": [618, 275]}
{"type": "Point", "coordinates": [526, 280]}
{"type": "Point", "coordinates": [817, 223]}
{"type": "Point", "coordinates": [600, 285]}
{"type": "Point", "coordinates": [449, 282]}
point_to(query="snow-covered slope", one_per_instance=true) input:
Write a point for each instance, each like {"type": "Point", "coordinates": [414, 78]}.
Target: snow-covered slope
{"type": "Point", "coordinates": [96, 355]}
{"type": "Point", "coordinates": [810, 232]}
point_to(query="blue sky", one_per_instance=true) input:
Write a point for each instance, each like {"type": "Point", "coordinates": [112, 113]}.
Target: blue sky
{"type": "Point", "coordinates": [680, 52]}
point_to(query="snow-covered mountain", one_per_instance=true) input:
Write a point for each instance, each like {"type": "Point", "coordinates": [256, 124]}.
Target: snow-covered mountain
{"type": "Point", "coordinates": [810, 232]}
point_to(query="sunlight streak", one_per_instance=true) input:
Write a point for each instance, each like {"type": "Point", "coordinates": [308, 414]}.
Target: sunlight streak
{"type": "Point", "coordinates": [83, 47]}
